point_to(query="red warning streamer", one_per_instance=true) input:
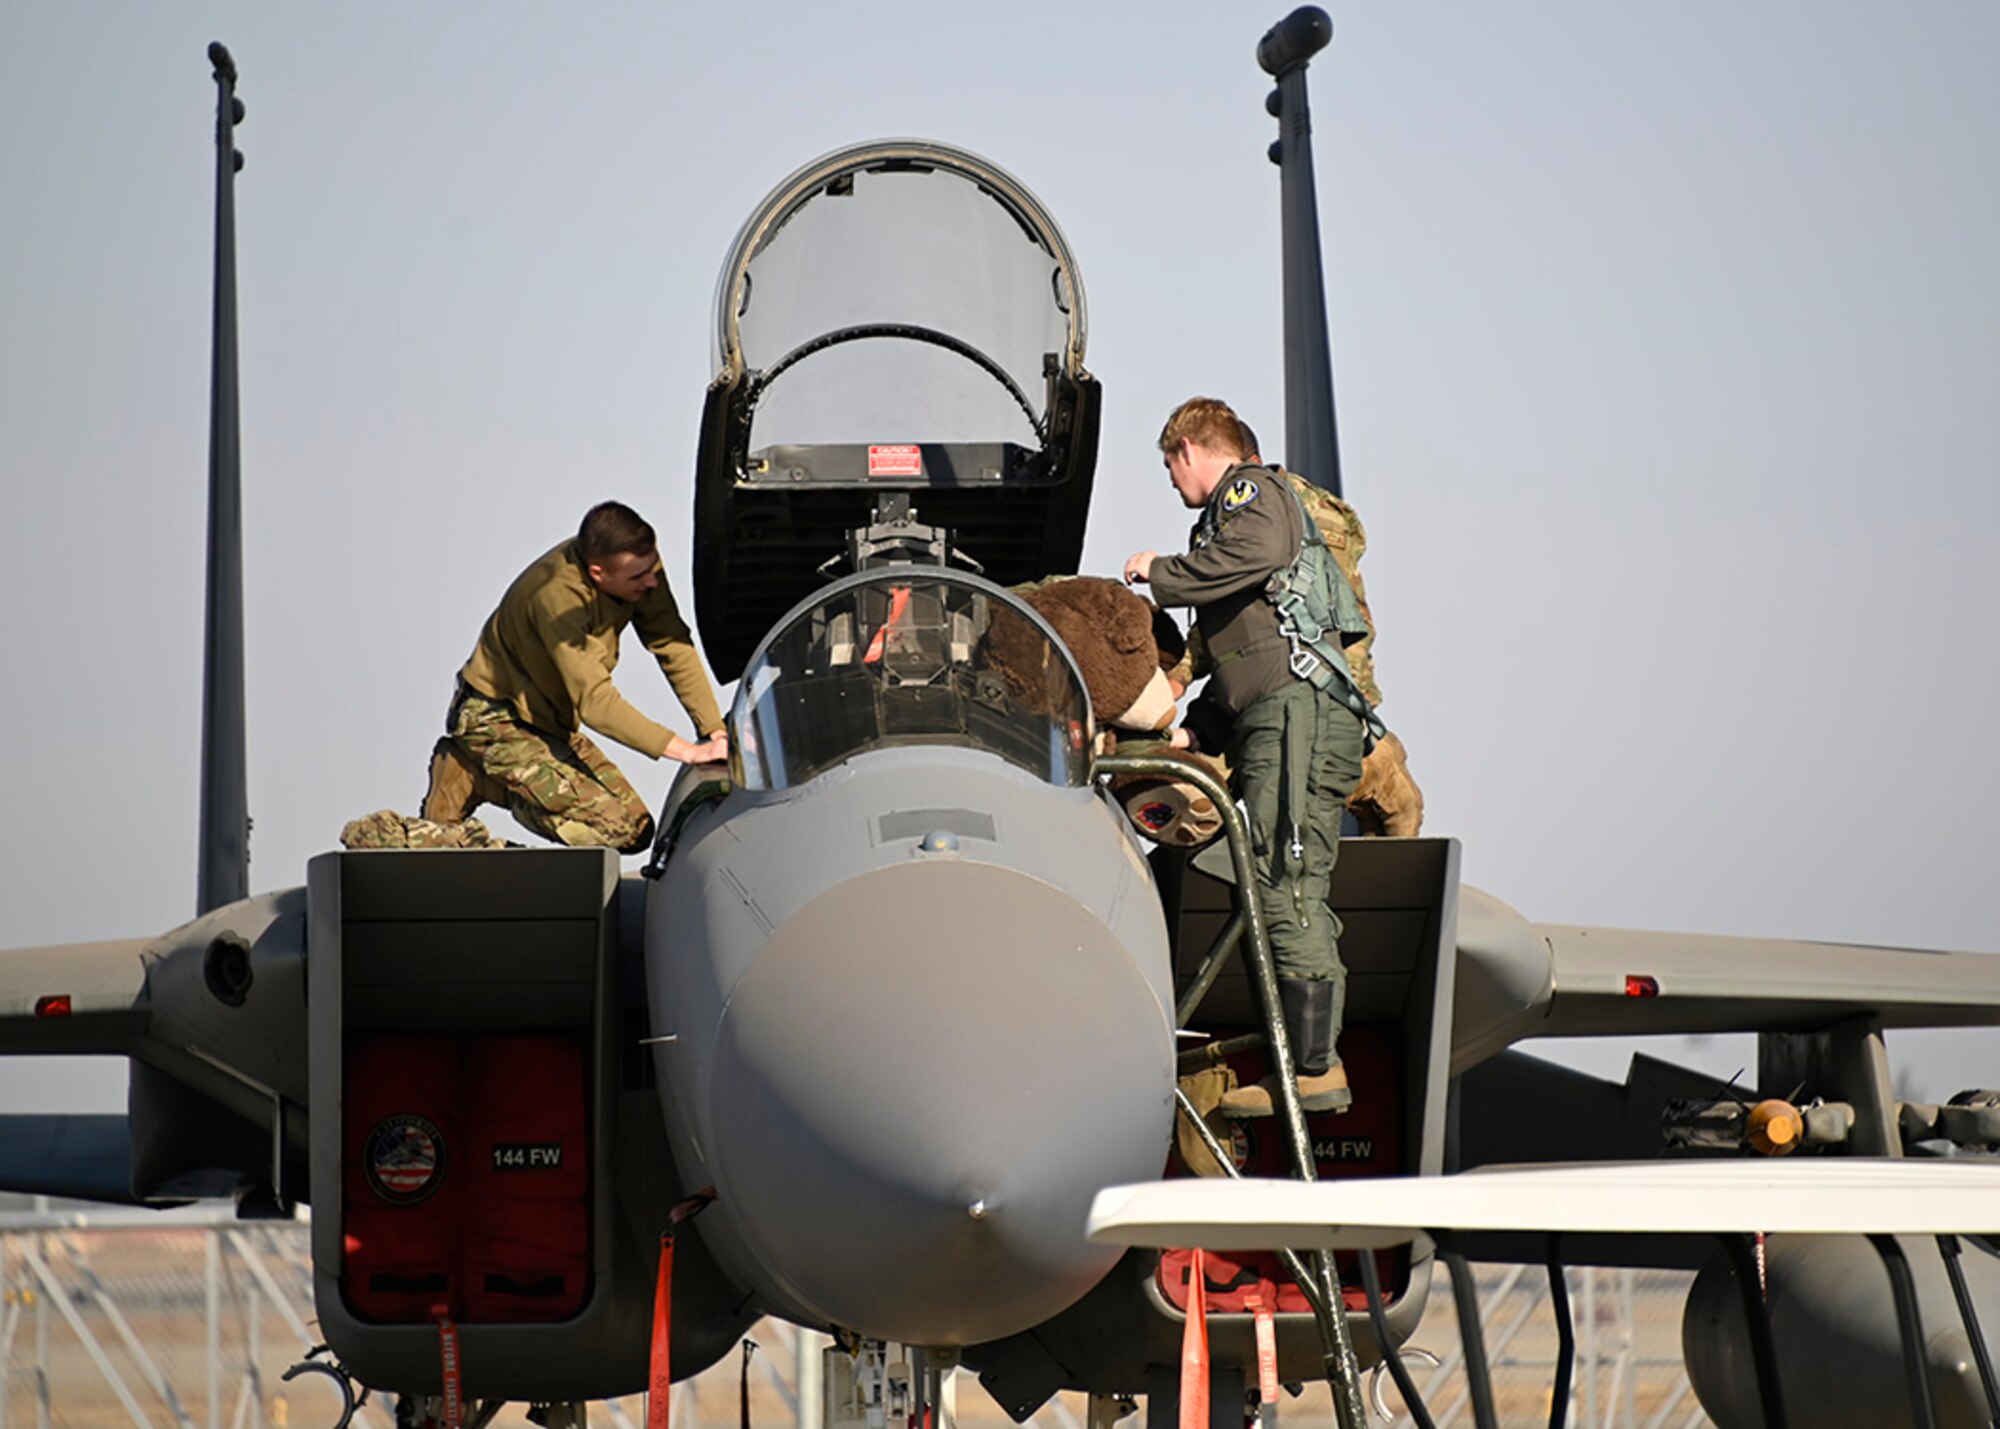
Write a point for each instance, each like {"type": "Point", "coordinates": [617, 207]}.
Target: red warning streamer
{"type": "Point", "coordinates": [454, 1402]}
{"type": "Point", "coordinates": [1194, 1347]}
{"type": "Point", "coordinates": [660, 1378]}
{"type": "Point", "coordinates": [899, 604]}
{"type": "Point", "coordinates": [1263, 1306]}
{"type": "Point", "coordinates": [660, 1374]}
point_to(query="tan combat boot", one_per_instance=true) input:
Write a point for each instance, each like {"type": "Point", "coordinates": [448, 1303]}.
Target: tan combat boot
{"type": "Point", "coordinates": [458, 786]}
{"type": "Point", "coordinates": [1309, 1012]}
{"type": "Point", "coordinates": [1326, 1092]}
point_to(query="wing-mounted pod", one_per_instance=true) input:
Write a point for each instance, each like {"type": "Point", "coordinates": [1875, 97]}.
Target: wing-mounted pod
{"type": "Point", "coordinates": [898, 318]}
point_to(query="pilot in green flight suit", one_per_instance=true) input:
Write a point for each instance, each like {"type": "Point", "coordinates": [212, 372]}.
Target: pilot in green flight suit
{"type": "Point", "coordinates": [1296, 750]}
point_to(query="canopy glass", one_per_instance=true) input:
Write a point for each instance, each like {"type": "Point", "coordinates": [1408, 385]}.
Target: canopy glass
{"type": "Point", "coordinates": [901, 292]}
{"type": "Point", "coordinates": [909, 656]}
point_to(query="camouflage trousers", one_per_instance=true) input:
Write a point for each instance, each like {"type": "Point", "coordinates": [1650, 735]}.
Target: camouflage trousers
{"type": "Point", "coordinates": [1296, 754]}
{"type": "Point", "coordinates": [561, 786]}
{"type": "Point", "coordinates": [385, 828]}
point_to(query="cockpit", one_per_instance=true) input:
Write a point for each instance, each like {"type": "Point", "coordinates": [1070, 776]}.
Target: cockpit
{"type": "Point", "coordinates": [897, 319]}
{"type": "Point", "coordinates": [909, 656]}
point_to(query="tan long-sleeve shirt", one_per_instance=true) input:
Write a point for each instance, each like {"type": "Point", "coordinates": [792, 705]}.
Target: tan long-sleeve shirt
{"type": "Point", "coordinates": [549, 648]}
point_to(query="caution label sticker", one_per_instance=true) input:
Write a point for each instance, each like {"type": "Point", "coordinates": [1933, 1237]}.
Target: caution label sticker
{"type": "Point", "coordinates": [896, 461]}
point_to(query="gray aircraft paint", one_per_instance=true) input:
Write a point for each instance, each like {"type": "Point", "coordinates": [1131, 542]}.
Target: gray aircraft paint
{"type": "Point", "coordinates": [962, 1043]}
{"type": "Point", "coordinates": [1831, 1307]}
{"type": "Point", "coordinates": [170, 999]}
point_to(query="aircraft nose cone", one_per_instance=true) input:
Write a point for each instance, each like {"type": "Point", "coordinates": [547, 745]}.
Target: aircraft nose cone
{"type": "Point", "coordinates": [920, 1083]}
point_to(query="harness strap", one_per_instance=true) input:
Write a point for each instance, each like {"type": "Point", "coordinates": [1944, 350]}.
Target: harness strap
{"type": "Point", "coordinates": [1315, 658]}
{"type": "Point", "coordinates": [899, 604]}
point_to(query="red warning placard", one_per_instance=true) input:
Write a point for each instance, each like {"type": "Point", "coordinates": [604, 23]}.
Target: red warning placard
{"type": "Point", "coordinates": [895, 461]}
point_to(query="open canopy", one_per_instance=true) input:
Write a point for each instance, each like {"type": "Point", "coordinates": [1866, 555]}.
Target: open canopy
{"type": "Point", "coordinates": [895, 293]}
{"type": "Point", "coordinates": [895, 317]}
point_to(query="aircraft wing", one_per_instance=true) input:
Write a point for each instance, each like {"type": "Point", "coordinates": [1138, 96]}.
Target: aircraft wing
{"type": "Point", "coordinates": [1829, 1195]}
{"type": "Point", "coordinates": [1519, 979]}
{"type": "Point", "coordinates": [1722, 984]}
{"type": "Point", "coordinates": [74, 999]}
{"type": "Point", "coordinates": [88, 1157]}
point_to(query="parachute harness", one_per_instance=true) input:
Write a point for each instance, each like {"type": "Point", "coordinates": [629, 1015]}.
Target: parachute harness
{"type": "Point", "coordinates": [1319, 614]}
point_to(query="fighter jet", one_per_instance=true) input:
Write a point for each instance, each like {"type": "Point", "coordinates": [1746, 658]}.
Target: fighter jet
{"type": "Point", "coordinates": [889, 1004]}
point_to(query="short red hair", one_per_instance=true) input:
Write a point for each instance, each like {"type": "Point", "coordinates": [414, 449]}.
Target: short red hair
{"type": "Point", "coordinates": [1207, 422]}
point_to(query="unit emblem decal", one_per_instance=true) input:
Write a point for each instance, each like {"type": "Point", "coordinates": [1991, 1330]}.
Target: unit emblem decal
{"type": "Point", "coordinates": [404, 1159]}
{"type": "Point", "coordinates": [1240, 494]}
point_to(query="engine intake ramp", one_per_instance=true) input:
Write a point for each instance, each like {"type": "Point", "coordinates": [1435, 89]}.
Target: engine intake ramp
{"type": "Point", "coordinates": [469, 1093]}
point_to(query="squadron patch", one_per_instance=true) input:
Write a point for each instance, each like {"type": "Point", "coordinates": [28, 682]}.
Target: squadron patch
{"type": "Point", "coordinates": [404, 1159]}
{"type": "Point", "coordinates": [1240, 494]}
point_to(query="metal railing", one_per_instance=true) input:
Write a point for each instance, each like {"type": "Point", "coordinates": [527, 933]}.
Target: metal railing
{"type": "Point", "coordinates": [1314, 1274]}
{"type": "Point", "coordinates": [190, 1319]}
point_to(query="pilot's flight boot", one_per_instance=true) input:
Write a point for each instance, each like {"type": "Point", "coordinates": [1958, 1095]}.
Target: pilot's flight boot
{"type": "Point", "coordinates": [1308, 1008]}
{"type": "Point", "coordinates": [458, 786]}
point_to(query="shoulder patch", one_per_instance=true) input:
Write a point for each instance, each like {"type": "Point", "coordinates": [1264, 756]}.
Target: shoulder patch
{"type": "Point", "coordinates": [1240, 493]}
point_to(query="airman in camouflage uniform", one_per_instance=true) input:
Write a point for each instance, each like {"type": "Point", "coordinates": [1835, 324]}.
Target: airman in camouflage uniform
{"type": "Point", "coordinates": [566, 790]}
{"type": "Point", "coordinates": [542, 668]}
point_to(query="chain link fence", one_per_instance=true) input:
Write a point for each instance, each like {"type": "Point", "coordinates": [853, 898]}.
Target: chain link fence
{"type": "Point", "coordinates": [190, 1320]}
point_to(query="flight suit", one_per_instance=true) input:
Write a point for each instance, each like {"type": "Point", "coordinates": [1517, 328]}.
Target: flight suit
{"type": "Point", "coordinates": [1296, 752]}
{"type": "Point", "coordinates": [541, 669]}
{"type": "Point", "coordinates": [1388, 799]}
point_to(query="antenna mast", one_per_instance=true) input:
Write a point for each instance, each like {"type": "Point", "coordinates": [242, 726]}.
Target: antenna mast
{"type": "Point", "coordinates": [224, 871]}
{"type": "Point", "coordinates": [1312, 447]}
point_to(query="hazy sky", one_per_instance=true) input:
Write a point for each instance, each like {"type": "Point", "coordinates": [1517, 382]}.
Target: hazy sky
{"type": "Point", "coordinates": [1666, 342]}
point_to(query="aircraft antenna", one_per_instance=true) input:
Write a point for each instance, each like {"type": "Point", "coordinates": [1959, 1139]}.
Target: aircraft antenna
{"type": "Point", "coordinates": [1312, 446]}
{"type": "Point", "coordinates": [223, 875]}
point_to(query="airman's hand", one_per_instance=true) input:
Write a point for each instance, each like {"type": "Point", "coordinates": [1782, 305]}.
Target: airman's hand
{"type": "Point", "coordinates": [713, 750]}
{"type": "Point", "coordinates": [1139, 568]}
